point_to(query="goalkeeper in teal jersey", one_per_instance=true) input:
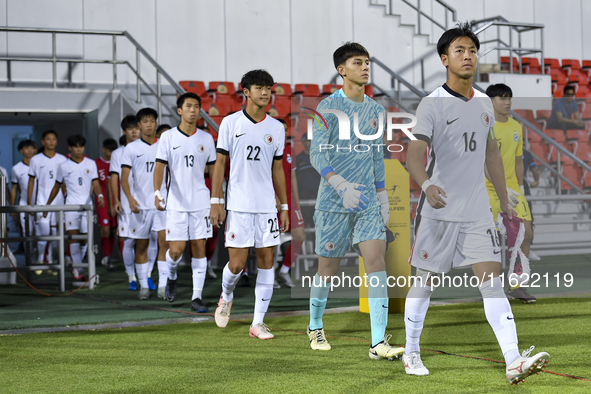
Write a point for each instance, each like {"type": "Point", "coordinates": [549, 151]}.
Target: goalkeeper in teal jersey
{"type": "Point", "coordinates": [352, 204]}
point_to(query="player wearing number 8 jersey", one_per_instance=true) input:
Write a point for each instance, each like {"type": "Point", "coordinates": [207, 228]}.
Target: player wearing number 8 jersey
{"type": "Point", "coordinates": [254, 142]}
{"type": "Point", "coordinates": [187, 151]}
{"type": "Point", "coordinates": [454, 225]}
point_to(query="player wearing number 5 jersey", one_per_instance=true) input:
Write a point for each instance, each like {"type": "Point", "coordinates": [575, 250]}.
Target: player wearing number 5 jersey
{"type": "Point", "coordinates": [140, 156]}
{"type": "Point", "coordinates": [254, 142]}
{"type": "Point", "coordinates": [454, 224]}
{"type": "Point", "coordinates": [187, 151]}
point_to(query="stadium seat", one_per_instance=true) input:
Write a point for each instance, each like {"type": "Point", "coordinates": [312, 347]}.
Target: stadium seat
{"type": "Point", "coordinates": [329, 89]}
{"type": "Point", "coordinates": [586, 67]}
{"type": "Point", "coordinates": [369, 91]}
{"type": "Point", "coordinates": [551, 64]}
{"type": "Point", "coordinates": [206, 103]}
{"type": "Point", "coordinates": [574, 174]}
{"type": "Point", "coordinates": [221, 87]}
{"type": "Point", "coordinates": [532, 136]}
{"type": "Point", "coordinates": [556, 134]}
{"type": "Point", "coordinates": [539, 149]}
{"type": "Point", "coordinates": [217, 120]}
{"type": "Point", "coordinates": [564, 159]}
{"type": "Point", "coordinates": [577, 135]}
{"type": "Point", "coordinates": [278, 109]}
{"type": "Point", "coordinates": [527, 114]}
{"type": "Point", "coordinates": [558, 77]}
{"type": "Point", "coordinates": [282, 89]}
{"type": "Point", "coordinates": [543, 114]}
{"type": "Point", "coordinates": [587, 179]}
{"type": "Point", "coordinates": [577, 77]}
{"type": "Point", "coordinates": [197, 87]}
{"type": "Point", "coordinates": [583, 92]}
{"type": "Point", "coordinates": [569, 65]}
{"type": "Point", "coordinates": [505, 64]}
{"type": "Point", "coordinates": [530, 65]}
{"type": "Point", "coordinates": [307, 90]}
{"type": "Point", "coordinates": [219, 109]}
{"type": "Point", "coordinates": [584, 153]}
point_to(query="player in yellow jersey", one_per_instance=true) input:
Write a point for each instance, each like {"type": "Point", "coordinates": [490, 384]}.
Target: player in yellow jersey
{"type": "Point", "coordinates": [509, 136]}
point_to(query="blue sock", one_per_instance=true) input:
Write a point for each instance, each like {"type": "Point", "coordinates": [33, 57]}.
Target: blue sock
{"type": "Point", "coordinates": [378, 306]}
{"type": "Point", "coordinates": [318, 298]}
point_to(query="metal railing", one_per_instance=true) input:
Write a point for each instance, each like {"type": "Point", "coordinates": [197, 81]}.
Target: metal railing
{"type": "Point", "coordinates": [139, 52]}
{"type": "Point", "coordinates": [501, 45]}
{"type": "Point", "coordinates": [60, 238]}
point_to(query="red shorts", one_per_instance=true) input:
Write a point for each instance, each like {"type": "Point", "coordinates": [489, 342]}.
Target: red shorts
{"type": "Point", "coordinates": [104, 219]}
{"type": "Point", "coordinates": [296, 220]}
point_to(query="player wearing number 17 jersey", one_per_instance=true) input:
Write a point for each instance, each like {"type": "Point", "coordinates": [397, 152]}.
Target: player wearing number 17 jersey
{"type": "Point", "coordinates": [455, 228]}
{"type": "Point", "coordinates": [187, 151]}
{"type": "Point", "coordinates": [254, 142]}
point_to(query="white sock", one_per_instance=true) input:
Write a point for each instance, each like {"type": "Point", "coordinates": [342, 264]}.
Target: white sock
{"type": "Point", "coordinates": [284, 269]}
{"type": "Point", "coordinates": [75, 253]}
{"type": "Point", "coordinates": [262, 293]}
{"type": "Point", "coordinates": [83, 250]}
{"type": "Point", "coordinates": [162, 273]}
{"type": "Point", "coordinates": [41, 228]}
{"type": "Point", "coordinates": [152, 251]}
{"type": "Point", "coordinates": [172, 265]}
{"type": "Point", "coordinates": [229, 281]}
{"type": "Point", "coordinates": [498, 313]}
{"type": "Point", "coordinates": [142, 274]}
{"type": "Point", "coordinates": [199, 267]}
{"type": "Point", "coordinates": [50, 246]}
{"type": "Point", "coordinates": [128, 254]}
{"type": "Point", "coordinates": [415, 310]}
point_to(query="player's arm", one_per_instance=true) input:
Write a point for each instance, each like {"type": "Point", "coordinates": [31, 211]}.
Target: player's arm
{"type": "Point", "coordinates": [536, 174]}
{"type": "Point", "coordinates": [414, 162]}
{"type": "Point", "coordinates": [494, 164]}
{"type": "Point", "coordinates": [279, 181]}
{"type": "Point", "coordinates": [133, 204]}
{"type": "Point", "coordinates": [13, 191]}
{"type": "Point", "coordinates": [114, 183]}
{"type": "Point", "coordinates": [95, 186]}
{"type": "Point", "coordinates": [217, 214]}
{"type": "Point", "coordinates": [519, 171]}
{"type": "Point", "coordinates": [30, 189]}
{"type": "Point", "coordinates": [54, 191]}
{"type": "Point", "coordinates": [158, 177]}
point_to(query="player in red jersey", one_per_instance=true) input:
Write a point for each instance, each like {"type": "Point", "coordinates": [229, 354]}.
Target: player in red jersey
{"type": "Point", "coordinates": [107, 223]}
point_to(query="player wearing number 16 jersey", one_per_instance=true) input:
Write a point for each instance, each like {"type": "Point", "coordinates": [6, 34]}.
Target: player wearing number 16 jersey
{"type": "Point", "coordinates": [187, 151]}
{"type": "Point", "coordinates": [254, 142]}
{"type": "Point", "coordinates": [455, 227]}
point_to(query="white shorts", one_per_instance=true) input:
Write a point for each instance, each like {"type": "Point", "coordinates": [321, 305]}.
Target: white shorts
{"type": "Point", "coordinates": [51, 218]}
{"type": "Point", "coordinates": [76, 221]}
{"type": "Point", "coordinates": [244, 230]}
{"type": "Point", "coordinates": [123, 225]}
{"type": "Point", "coordinates": [31, 223]}
{"type": "Point", "coordinates": [441, 245]}
{"type": "Point", "coordinates": [184, 226]}
{"type": "Point", "coordinates": [147, 220]}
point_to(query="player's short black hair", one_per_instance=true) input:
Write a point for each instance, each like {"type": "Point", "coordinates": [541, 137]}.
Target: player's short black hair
{"type": "Point", "coordinates": [163, 127]}
{"type": "Point", "coordinates": [128, 122]}
{"type": "Point", "coordinates": [181, 100]}
{"type": "Point", "coordinates": [461, 30]}
{"type": "Point", "coordinates": [123, 140]}
{"type": "Point", "coordinates": [110, 144]}
{"type": "Point", "coordinates": [146, 112]}
{"type": "Point", "coordinates": [499, 90]}
{"type": "Point", "coordinates": [256, 77]}
{"type": "Point", "coordinates": [26, 143]}
{"type": "Point", "coordinates": [347, 50]}
{"type": "Point", "coordinates": [568, 87]}
{"type": "Point", "coordinates": [76, 140]}
{"type": "Point", "coordinates": [47, 132]}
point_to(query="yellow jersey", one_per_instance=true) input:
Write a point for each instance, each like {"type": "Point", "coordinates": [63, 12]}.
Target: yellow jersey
{"type": "Point", "coordinates": [509, 137]}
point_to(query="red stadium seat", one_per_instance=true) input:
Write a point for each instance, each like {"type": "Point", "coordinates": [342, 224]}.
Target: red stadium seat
{"type": "Point", "coordinates": [551, 64]}
{"type": "Point", "coordinates": [586, 113]}
{"type": "Point", "coordinates": [330, 88]}
{"type": "Point", "coordinates": [583, 92]}
{"type": "Point", "coordinates": [307, 90]}
{"type": "Point", "coordinates": [206, 103]}
{"type": "Point", "coordinates": [539, 149]}
{"type": "Point", "coordinates": [577, 135]}
{"type": "Point", "coordinates": [574, 174]}
{"type": "Point", "coordinates": [573, 64]}
{"type": "Point", "coordinates": [278, 109]}
{"type": "Point", "coordinates": [584, 153]}
{"type": "Point", "coordinates": [565, 160]}
{"type": "Point", "coordinates": [369, 91]}
{"type": "Point", "coordinates": [587, 179]}
{"type": "Point", "coordinates": [555, 134]}
{"type": "Point", "coordinates": [558, 77]}
{"type": "Point", "coordinates": [197, 87]}
{"type": "Point", "coordinates": [530, 65]}
{"type": "Point", "coordinates": [543, 114]}
{"type": "Point", "coordinates": [222, 87]}
{"type": "Point", "coordinates": [505, 64]}
{"type": "Point", "coordinates": [219, 109]}
{"type": "Point", "coordinates": [282, 89]}
{"type": "Point", "coordinates": [532, 136]}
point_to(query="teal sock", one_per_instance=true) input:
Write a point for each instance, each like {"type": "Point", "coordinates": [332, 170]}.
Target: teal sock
{"type": "Point", "coordinates": [318, 298]}
{"type": "Point", "coordinates": [378, 306]}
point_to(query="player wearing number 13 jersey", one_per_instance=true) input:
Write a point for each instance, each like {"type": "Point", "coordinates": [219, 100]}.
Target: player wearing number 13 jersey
{"type": "Point", "coordinates": [254, 142]}
{"type": "Point", "coordinates": [454, 221]}
{"type": "Point", "coordinates": [187, 151]}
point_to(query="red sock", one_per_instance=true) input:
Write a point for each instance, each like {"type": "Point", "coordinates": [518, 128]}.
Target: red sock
{"type": "Point", "coordinates": [68, 250]}
{"type": "Point", "coordinates": [106, 246]}
{"type": "Point", "coordinates": [292, 250]}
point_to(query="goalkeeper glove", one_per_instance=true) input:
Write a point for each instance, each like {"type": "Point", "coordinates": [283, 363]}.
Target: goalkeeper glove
{"type": "Point", "coordinates": [513, 200]}
{"type": "Point", "coordinates": [383, 198]}
{"type": "Point", "coordinates": [350, 193]}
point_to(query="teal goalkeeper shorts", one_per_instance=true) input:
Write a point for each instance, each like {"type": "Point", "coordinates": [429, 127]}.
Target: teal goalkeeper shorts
{"type": "Point", "coordinates": [336, 231]}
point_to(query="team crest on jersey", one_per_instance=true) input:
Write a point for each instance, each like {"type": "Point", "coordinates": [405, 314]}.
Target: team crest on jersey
{"type": "Point", "coordinates": [168, 231]}
{"type": "Point", "coordinates": [200, 148]}
{"type": "Point", "coordinates": [515, 136]}
{"type": "Point", "coordinates": [87, 171]}
{"type": "Point", "coordinates": [69, 223]}
{"type": "Point", "coordinates": [105, 221]}
{"type": "Point", "coordinates": [424, 255]}
{"type": "Point", "coordinates": [133, 230]}
{"type": "Point", "coordinates": [373, 123]}
{"type": "Point", "coordinates": [485, 119]}
{"type": "Point", "coordinates": [269, 139]}
{"type": "Point", "coordinates": [289, 158]}
{"type": "Point", "coordinates": [231, 236]}
{"type": "Point", "coordinates": [329, 246]}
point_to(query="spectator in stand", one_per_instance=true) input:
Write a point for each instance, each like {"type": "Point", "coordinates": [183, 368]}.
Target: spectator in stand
{"type": "Point", "coordinates": [565, 112]}
{"type": "Point", "coordinates": [530, 164]}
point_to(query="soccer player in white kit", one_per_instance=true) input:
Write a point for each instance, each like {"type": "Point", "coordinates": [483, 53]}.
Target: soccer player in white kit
{"type": "Point", "coordinates": [140, 156]}
{"type": "Point", "coordinates": [43, 170]}
{"type": "Point", "coordinates": [455, 227]}
{"type": "Point", "coordinates": [187, 151]}
{"type": "Point", "coordinates": [254, 142]}
{"type": "Point", "coordinates": [19, 177]}
{"type": "Point", "coordinates": [80, 177]}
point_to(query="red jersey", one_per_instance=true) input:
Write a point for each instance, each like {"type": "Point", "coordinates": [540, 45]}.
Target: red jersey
{"type": "Point", "coordinates": [103, 174]}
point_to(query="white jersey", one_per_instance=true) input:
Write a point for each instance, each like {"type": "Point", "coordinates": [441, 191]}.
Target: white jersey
{"type": "Point", "coordinates": [457, 131]}
{"type": "Point", "coordinates": [20, 176]}
{"type": "Point", "coordinates": [44, 169]}
{"type": "Point", "coordinates": [252, 147]}
{"type": "Point", "coordinates": [78, 179]}
{"type": "Point", "coordinates": [115, 168]}
{"type": "Point", "coordinates": [141, 158]}
{"type": "Point", "coordinates": [186, 157]}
